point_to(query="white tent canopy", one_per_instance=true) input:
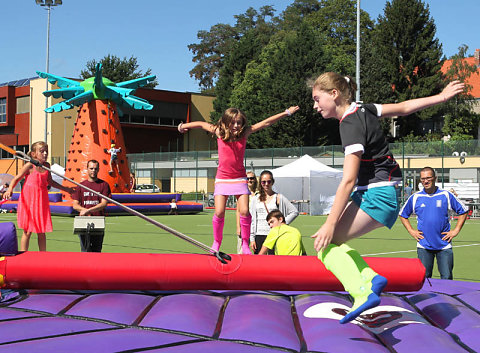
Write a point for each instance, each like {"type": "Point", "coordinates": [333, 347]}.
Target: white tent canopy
{"type": "Point", "coordinates": [308, 179]}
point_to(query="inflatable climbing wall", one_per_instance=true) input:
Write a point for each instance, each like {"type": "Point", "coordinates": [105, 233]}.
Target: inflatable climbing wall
{"type": "Point", "coordinates": [96, 129]}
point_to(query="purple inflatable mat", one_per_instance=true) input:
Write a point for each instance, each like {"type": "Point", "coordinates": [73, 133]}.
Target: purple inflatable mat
{"type": "Point", "coordinates": [442, 317]}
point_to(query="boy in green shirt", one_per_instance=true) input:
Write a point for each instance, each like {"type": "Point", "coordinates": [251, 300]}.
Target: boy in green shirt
{"type": "Point", "coordinates": [285, 240]}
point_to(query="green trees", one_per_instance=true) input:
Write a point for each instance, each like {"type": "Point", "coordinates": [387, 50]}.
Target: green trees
{"type": "Point", "coordinates": [460, 122]}
{"type": "Point", "coordinates": [410, 57]}
{"type": "Point", "coordinates": [117, 70]}
{"type": "Point", "coordinates": [268, 67]}
{"type": "Point", "coordinates": [277, 80]}
{"type": "Point", "coordinates": [262, 63]}
{"type": "Point", "coordinates": [218, 44]}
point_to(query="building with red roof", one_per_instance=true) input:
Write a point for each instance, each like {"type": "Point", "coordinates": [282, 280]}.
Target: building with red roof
{"type": "Point", "coordinates": [474, 79]}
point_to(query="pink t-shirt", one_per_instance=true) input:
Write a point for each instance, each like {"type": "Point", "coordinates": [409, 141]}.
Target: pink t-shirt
{"type": "Point", "coordinates": [230, 159]}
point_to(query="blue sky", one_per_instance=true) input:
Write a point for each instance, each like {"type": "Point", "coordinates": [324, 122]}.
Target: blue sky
{"type": "Point", "coordinates": [157, 32]}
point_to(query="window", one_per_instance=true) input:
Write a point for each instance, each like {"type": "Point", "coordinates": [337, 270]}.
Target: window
{"type": "Point", "coordinates": [144, 173]}
{"type": "Point", "coordinates": [190, 173]}
{"type": "Point", "coordinates": [152, 120]}
{"type": "Point", "coordinates": [163, 114]}
{"type": "Point", "coordinates": [3, 110]}
{"type": "Point", "coordinates": [23, 105]}
{"type": "Point", "coordinates": [125, 118]}
{"type": "Point", "coordinates": [137, 119]}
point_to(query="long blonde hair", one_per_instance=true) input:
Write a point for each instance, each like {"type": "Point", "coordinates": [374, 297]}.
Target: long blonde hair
{"type": "Point", "coordinates": [345, 85]}
{"type": "Point", "coordinates": [223, 124]}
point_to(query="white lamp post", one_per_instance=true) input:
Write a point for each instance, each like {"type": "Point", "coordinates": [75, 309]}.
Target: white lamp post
{"type": "Point", "coordinates": [48, 5]}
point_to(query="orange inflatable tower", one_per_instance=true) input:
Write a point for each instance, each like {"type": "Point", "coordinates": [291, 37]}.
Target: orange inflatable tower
{"type": "Point", "coordinates": [97, 128]}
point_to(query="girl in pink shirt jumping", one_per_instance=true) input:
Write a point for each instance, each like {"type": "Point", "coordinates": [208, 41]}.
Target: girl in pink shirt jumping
{"type": "Point", "coordinates": [232, 132]}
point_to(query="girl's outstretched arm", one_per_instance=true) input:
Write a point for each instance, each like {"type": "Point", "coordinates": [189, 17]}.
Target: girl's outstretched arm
{"type": "Point", "coordinates": [184, 127]}
{"type": "Point", "coordinates": [414, 105]}
{"type": "Point", "coordinates": [273, 119]}
{"type": "Point", "coordinates": [56, 185]}
{"type": "Point", "coordinates": [61, 187]}
{"type": "Point", "coordinates": [25, 169]}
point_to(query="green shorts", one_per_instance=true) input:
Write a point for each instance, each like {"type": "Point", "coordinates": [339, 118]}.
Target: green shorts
{"type": "Point", "coordinates": [380, 203]}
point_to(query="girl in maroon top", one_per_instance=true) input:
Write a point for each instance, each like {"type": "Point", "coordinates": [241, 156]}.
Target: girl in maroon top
{"type": "Point", "coordinates": [232, 132]}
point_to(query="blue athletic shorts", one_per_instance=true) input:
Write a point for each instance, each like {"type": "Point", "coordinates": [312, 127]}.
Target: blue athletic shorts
{"type": "Point", "coordinates": [380, 203]}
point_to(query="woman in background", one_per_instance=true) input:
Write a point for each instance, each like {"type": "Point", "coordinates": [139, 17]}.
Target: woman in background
{"type": "Point", "coordinates": [262, 204]}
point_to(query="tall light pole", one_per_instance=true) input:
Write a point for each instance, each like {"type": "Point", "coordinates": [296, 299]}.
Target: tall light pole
{"type": "Point", "coordinates": [357, 69]}
{"type": "Point", "coordinates": [48, 5]}
{"type": "Point", "coordinates": [65, 138]}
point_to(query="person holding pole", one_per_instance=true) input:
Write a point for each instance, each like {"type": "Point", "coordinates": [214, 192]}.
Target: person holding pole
{"type": "Point", "coordinates": [89, 204]}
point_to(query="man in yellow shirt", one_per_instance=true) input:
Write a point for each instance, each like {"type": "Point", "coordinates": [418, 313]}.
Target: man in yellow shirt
{"type": "Point", "coordinates": [283, 239]}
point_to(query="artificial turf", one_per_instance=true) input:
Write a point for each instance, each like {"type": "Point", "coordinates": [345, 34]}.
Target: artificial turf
{"type": "Point", "coordinates": [132, 234]}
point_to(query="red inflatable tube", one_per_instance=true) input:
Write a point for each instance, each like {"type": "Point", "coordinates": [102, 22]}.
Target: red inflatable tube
{"type": "Point", "coordinates": [107, 271]}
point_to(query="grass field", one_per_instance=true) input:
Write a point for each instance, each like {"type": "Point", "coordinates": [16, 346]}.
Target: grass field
{"type": "Point", "coordinates": [133, 234]}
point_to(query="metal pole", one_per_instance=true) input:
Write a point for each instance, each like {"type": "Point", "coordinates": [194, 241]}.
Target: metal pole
{"type": "Point", "coordinates": [30, 118]}
{"type": "Point", "coordinates": [333, 156]}
{"type": "Point", "coordinates": [65, 139]}
{"type": "Point", "coordinates": [443, 175]}
{"type": "Point", "coordinates": [48, 5]}
{"type": "Point", "coordinates": [403, 168]}
{"type": "Point", "coordinates": [153, 172]}
{"type": "Point", "coordinates": [47, 68]}
{"type": "Point", "coordinates": [219, 255]}
{"type": "Point", "coordinates": [196, 175]}
{"type": "Point", "coordinates": [16, 159]}
{"type": "Point", "coordinates": [175, 173]}
{"type": "Point", "coordinates": [357, 71]}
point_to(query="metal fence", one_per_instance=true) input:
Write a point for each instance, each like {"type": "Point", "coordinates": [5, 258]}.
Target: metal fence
{"type": "Point", "coordinates": [169, 169]}
{"type": "Point", "coordinates": [400, 149]}
{"type": "Point", "coordinates": [332, 154]}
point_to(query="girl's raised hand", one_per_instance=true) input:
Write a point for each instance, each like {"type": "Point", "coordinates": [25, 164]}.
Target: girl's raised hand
{"type": "Point", "coordinates": [181, 129]}
{"type": "Point", "coordinates": [452, 89]}
{"type": "Point", "coordinates": [292, 110]}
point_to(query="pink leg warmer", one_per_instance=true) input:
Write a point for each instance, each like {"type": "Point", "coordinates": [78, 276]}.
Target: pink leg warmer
{"type": "Point", "coordinates": [217, 232]}
{"type": "Point", "coordinates": [245, 227]}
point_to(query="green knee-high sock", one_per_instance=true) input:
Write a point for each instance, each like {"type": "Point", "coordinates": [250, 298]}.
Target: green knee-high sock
{"type": "Point", "coordinates": [372, 280]}
{"type": "Point", "coordinates": [363, 284]}
{"type": "Point", "coordinates": [347, 269]}
{"type": "Point", "coordinates": [366, 272]}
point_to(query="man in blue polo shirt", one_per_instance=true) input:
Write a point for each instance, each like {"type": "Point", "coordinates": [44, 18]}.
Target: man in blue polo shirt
{"type": "Point", "coordinates": [434, 235]}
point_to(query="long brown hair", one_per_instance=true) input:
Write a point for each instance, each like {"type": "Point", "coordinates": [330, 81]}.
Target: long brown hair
{"type": "Point", "coordinates": [263, 194]}
{"type": "Point", "coordinates": [345, 85]}
{"type": "Point", "coordinates": [223, 124]}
